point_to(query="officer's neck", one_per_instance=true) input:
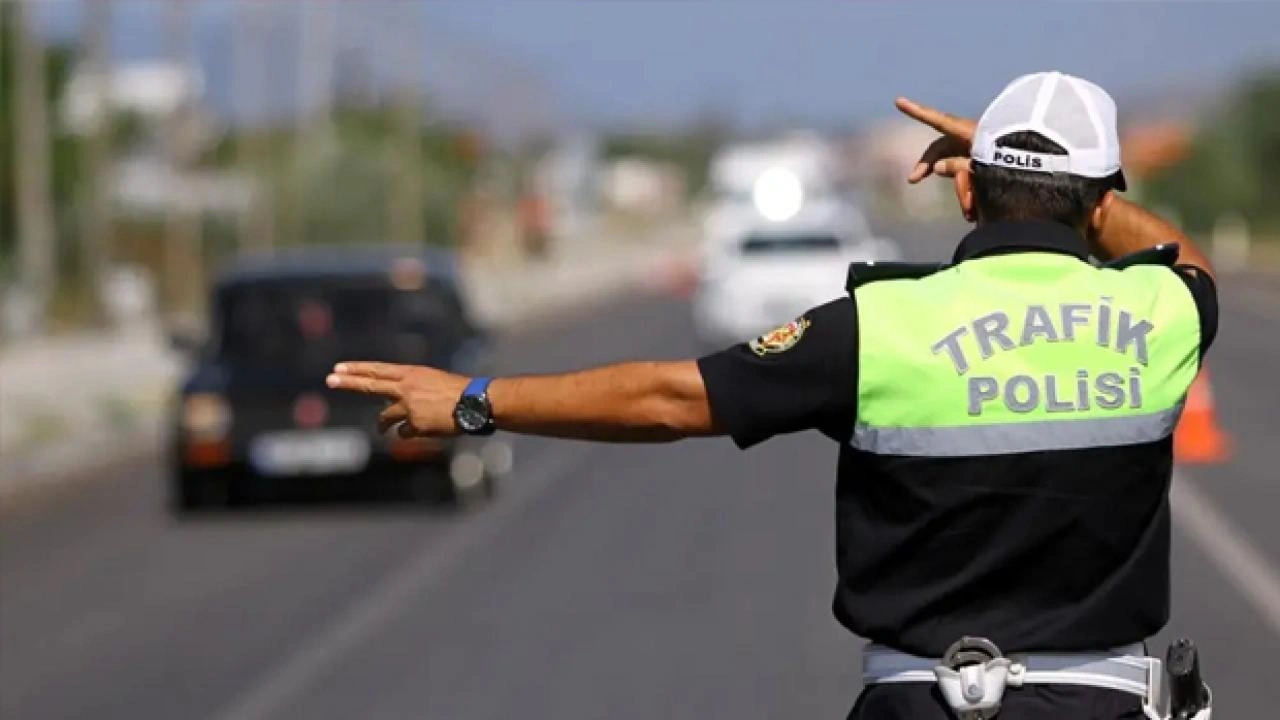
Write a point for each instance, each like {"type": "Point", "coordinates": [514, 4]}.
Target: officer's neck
{"type": "Point", "coordinates": [1022, 235]}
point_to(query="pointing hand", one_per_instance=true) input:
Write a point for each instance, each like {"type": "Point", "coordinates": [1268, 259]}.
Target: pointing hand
{"type": "Point", "coordinates": [422, 398]}
{"type": "Point", "coordinates": [948, 154]}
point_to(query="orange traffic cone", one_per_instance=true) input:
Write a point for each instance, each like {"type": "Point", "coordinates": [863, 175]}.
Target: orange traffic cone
{"type": "Point", "coordinates": [1199, 439]}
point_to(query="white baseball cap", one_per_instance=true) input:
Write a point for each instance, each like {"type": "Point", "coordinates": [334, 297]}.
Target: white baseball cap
{"type": "Point", "coordinates": [1074, 113]}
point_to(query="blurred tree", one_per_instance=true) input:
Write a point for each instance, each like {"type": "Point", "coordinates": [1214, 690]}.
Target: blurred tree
{"type": "Point", "coordinates": [94, 189]}
{"type": "Point", "coordinates": [1234, 162]}
{"type": "Point", "coordinates": [405, 207]}
{"type": "Point", "coordinates": [64, 158]}
{"type": "Point", "coordinates": [254, 150]}
{"type": "Point", "coordinates": [129, 131]}
{"type": "Point", "coordinates": [183, 244]}
{"type": "Point", "coordinates": [341, 181]}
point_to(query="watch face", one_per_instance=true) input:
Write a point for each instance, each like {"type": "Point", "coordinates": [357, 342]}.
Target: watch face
{"type": "Point", "coordinates": [472, 414]}
{"type": "Point", "coordinates": [469, 419]}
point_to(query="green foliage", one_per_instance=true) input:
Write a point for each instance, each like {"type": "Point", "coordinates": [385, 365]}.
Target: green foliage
{"type": "Point", "coordinates": [340, 188]}
{"type": "Point", "coordinates": [64, 148]}
{"type": "Point", "coordinates": [1234, 162]}
{"type": "Point", "coordinates": [128, 129]}
{"type": "Point", "coordinates": [325, 189]}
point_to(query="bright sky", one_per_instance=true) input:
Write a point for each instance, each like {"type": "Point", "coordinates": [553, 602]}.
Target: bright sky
{"type": "Point", "coordinates": [805, 61]}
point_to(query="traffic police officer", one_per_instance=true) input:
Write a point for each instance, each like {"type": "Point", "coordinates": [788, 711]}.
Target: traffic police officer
{"type": "Point", "coordinates": [1004, 421]}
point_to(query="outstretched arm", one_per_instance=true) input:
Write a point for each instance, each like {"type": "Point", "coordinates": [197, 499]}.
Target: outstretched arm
{"type": "Point", "coordinates": [626, 402]}
{"type": "Point", "coordinates": [799, 376]}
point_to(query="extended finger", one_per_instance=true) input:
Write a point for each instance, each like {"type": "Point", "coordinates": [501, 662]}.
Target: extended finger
{"type": "Point", "coordinates": [919, 172]}
{"type": "Point", "coordinates": [364, 384]}
{"type": "Point", "coordinates": [943, 122]}
{"type": "Point", "coordinates": [380, 370]}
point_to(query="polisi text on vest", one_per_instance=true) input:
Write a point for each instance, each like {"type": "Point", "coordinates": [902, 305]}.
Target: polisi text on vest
{"type": "Point", "coordinates": [1098, 323]}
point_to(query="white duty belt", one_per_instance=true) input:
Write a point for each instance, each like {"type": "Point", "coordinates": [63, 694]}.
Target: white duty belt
{"type": "Point", "coordinates": [973, 674]}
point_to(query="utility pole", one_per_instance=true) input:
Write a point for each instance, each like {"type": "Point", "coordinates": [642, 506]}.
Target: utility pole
{"type": "Point", "coordinates": [257, 224]}
{"type": "Point", "coordinates": [405, 206]}
{"type": "Point", "coordinates": [183, 271]}
{"type": "Point", "coordinates": [36, 256]}
{"type": "Point", "coordinates": [313, 129]}
{"type": "Point", "coordinates": [95, 201]}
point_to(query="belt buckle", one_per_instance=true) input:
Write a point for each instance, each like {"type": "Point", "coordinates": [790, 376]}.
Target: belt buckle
{"type": "Point", "coordinates": [970, 651]}
{"type": "Point", "coordinates": [972, 677]}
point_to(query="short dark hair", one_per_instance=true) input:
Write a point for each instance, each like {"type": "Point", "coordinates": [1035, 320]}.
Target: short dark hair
{"type": "Point", "coordinates": [1001, 193]}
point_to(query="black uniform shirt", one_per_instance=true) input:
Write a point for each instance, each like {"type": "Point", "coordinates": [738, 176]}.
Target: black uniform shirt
{"type": "Point", "coordinates": [813, 385]}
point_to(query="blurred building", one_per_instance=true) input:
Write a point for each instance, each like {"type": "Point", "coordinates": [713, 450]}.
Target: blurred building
{"type": "Point", "coordinates": [168, 123]}
{"type": "Point", "coordinates": [642, 186]}
{"type": "Point", "coordinates": [568, 177]}
{"type": "Point", "coordinates": [151, 90]}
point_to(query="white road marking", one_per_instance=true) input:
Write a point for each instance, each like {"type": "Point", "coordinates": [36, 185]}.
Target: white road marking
{"type": "Point", "coordinates": [1236, 558]}
{"type": "Point", "coordinates": [270, 695]}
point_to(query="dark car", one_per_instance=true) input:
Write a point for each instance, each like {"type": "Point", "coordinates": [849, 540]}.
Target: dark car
{"type": "Point", "coordinates": [254, 415]}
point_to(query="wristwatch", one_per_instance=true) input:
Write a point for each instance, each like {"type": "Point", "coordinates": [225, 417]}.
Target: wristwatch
{"type": "Point", "coordinates": [474, 414]}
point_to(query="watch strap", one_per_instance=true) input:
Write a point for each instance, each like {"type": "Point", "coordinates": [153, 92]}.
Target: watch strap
{"type": "Point", "coordinates": [477, 386]}
{"type": "Point", "coordinates": [476, 390]}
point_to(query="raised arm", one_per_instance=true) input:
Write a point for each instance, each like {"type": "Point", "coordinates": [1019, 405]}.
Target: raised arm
{"type": "Point", "coordinates": [1119, 228]}
{"type": "Point", "coordinates": [626, 402]}
{"type": "Point", "coordinates": [1122, 227]}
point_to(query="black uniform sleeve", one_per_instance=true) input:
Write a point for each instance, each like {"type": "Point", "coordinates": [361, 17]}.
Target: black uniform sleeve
{"type": "Point", "coordinates": [1205, 293]}
{"type": "Point", "coordinates": [755, 395]}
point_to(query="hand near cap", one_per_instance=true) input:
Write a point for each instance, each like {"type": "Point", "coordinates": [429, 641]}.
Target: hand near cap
{"type": "Point", "coordinates": [949, 153]}
{"type": "Point", "coordinates": [422, 398]}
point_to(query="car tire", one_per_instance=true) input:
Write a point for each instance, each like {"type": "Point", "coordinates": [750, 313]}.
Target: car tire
{"type": "Point", "coordinates": [428, 487]}
{"type": "Point", "coordinates": [196, 494]}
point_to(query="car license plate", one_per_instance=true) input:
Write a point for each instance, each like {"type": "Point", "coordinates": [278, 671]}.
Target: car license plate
{"type": "Point", "coordinates": [315, 452]}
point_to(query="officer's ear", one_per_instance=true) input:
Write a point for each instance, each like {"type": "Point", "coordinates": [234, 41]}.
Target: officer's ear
{"type": "Point", "coordinates": [963, 183]}
{"type": "Point", "coordinates": [1098, 218]}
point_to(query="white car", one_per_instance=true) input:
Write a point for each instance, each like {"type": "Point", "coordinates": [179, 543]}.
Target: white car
{"type": "Point", "coordinates": [757, 274]}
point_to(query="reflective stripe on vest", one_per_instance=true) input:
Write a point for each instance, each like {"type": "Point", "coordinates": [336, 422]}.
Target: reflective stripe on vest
{"type": "Point", "coordinates": [1023, 352]}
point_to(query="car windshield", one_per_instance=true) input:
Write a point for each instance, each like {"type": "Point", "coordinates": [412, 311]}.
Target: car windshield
{"type": "Point", "coordinates": [789, 244]}
{"type": "Point", "coordinates": [305, 326]}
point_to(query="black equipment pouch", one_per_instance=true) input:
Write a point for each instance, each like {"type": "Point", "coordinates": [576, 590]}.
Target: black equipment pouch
{"type": "Point", "coordinates": [1189, 697]}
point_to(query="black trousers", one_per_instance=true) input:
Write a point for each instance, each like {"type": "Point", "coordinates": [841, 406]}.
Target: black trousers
{"type": "Point", "coordinates": [922, 701]}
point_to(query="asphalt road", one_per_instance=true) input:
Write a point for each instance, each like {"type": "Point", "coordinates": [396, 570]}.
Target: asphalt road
{"type": "Point", "coordinates": [681, 581]}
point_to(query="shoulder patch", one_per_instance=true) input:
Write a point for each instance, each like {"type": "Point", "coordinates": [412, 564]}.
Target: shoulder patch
{"type": "Point", "coordinates": [780, 339]}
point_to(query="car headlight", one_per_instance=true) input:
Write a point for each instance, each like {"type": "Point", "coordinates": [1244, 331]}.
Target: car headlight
{"type": "Point", "coordinates": [778, 194]}
{"type": "Point", "coordinates": [206, 415]}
